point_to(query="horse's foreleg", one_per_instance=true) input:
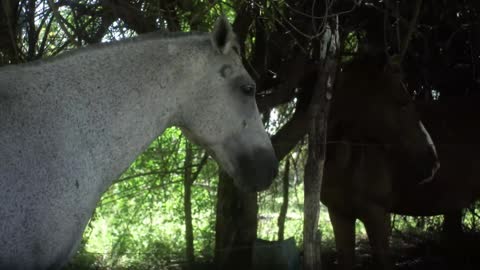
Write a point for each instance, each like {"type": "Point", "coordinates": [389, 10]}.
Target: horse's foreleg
{"type": "Point", "coordinates": [377, 224]}
{"type": "Point", "coordinates": [344, 230]}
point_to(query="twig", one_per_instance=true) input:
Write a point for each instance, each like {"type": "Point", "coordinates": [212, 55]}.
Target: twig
{"type": "Point", "coordinates": [200, 166]}
{"type": "Point", "coordinates": [321, 17]}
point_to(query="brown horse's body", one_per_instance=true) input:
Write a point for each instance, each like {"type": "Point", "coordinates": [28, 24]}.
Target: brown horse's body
{"type": "Point", "coordinates": [453, 125]}
{"type": "Point", "coordinates": [366, 179]}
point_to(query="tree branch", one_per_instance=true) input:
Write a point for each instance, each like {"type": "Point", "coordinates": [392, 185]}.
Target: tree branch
{"type": "Point", "coordinates": [61, 23]}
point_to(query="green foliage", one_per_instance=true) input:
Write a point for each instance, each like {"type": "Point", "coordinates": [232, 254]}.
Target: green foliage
{"type": "Point", "coordinates": [471, 218]}
{"type": "Point", "coordinates": [140, 218]}
{"type": "Point", "coordinates": [270, 202]}
{"type": "Point", "coordinates": [351, 45]}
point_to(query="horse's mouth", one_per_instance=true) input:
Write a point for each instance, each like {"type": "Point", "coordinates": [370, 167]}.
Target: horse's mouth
{"type": "Point", "coordinates": [257, 170]}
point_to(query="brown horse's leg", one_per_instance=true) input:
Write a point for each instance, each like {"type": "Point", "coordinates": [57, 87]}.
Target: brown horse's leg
{"type": "Point", "coordinates": [454, 239]}
{"type": "Point", "coordinates": [344, 230]}
{"type": "Point", "coordinates": [377, 224]}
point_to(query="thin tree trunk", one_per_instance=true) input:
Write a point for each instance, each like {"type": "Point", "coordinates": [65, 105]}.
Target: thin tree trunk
{"type": "Point", "coordinates": [283, 210]}
{"type": "Point", "coordinates": [411, 30]}
{"type": "Point", "coordinates": [317, 136]}
{"type": "Point", "coordinates": [188, 182]}
{"type": "Point", "coordinates": [8, 29]}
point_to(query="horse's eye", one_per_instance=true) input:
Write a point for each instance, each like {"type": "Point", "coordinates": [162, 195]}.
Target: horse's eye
{"type": "Point", "coordinates": [248, 89]}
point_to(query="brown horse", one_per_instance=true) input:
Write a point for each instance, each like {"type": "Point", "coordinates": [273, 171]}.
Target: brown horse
{"type": "Point", "coordinates": [456, 185]}
{"type": "Point", "coordinates": [374, 131]}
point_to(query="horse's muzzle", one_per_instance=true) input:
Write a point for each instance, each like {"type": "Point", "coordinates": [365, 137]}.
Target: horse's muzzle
{"type": "Point", "coordinates": [257, 169]}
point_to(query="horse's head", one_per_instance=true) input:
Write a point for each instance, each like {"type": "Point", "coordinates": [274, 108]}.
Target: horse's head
{"type": "Point", "coordinates": [224, 117]}
{"type": "Point", "coordinates": [376, 108]}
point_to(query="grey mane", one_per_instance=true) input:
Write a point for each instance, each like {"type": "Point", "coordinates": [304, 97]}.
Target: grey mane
{"type": "Point", "coordinates": [156, 35]}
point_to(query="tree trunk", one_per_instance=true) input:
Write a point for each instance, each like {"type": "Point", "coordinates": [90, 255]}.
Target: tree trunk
{"type": "Point", "coordinates": [317, 136]}
{"type": "Point", "coordinates": [8, 31]}
{"type": "Point", "coordinates": [236, 225]}
{"type": "Point", "coordinates": [283, 210]}
{"type": "Point", "coordinates": [187, 184]}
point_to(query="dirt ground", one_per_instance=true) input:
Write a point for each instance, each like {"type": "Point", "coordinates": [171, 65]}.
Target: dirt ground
{"type": "Point", "coordinates": [410, 251]}
{"type": "Point", "coordinates": [419, 252]}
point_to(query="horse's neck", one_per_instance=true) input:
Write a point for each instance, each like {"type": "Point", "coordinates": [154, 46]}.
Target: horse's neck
{"type": "Point", "coordinates": [150, 102]}
{"type": "Point", "coordinates": [121, 97]}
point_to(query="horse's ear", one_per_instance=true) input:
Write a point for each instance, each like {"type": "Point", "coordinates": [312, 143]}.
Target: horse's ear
{"type": "Point", "coordinates": [223, 38]}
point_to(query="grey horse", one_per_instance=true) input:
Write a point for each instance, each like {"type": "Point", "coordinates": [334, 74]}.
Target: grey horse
{"type": "Point", "coordinates": [72, 124]}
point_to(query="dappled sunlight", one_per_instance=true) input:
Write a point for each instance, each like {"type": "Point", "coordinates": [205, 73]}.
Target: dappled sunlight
{"type": "Point", "coordinates": [144, 209]}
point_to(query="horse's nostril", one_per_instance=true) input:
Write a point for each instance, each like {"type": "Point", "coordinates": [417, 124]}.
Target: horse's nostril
{"type": "Point", "coordinates": [258, 169]}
